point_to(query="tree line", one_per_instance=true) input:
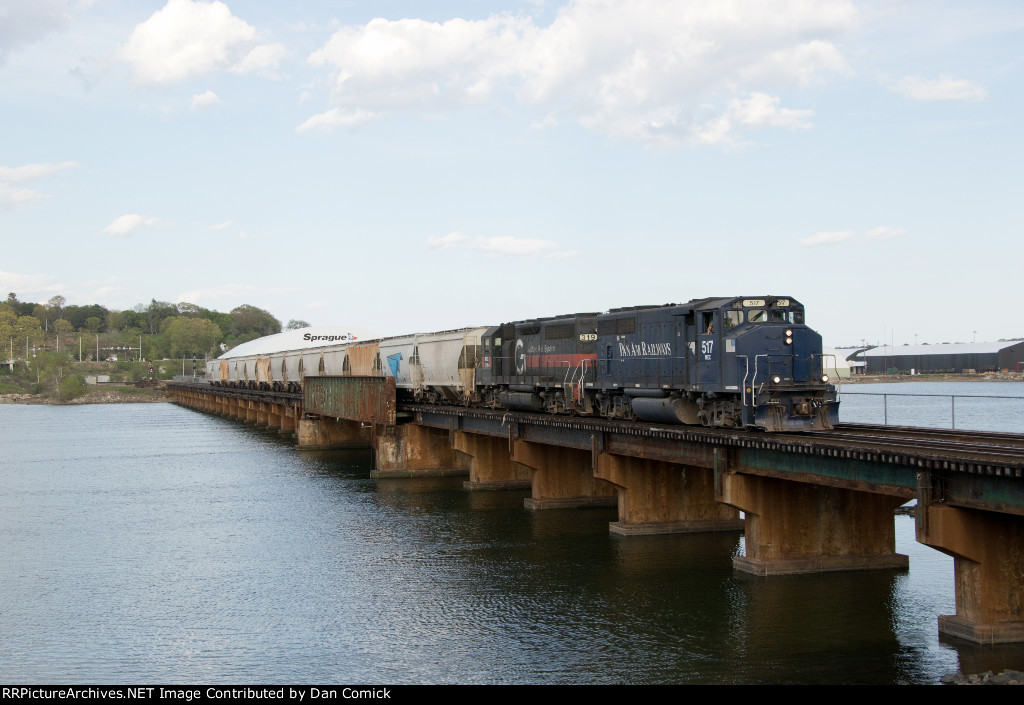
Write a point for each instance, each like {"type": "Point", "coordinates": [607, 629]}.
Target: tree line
{"type": "Point", "coordinates": [167, 330]}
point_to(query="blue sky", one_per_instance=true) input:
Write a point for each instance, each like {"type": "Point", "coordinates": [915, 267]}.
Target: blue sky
{"type": "Point", "coordinates": [403, 166]}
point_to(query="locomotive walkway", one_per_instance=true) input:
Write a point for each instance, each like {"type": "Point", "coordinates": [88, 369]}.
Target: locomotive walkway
{"type": "Point", "coordinates": [812, 502]}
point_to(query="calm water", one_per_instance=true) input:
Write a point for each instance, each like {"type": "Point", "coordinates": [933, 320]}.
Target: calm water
{"type": "Point", "coordinates": [979, 406]}
{"type": "Point", "coordinates": [150, 543]}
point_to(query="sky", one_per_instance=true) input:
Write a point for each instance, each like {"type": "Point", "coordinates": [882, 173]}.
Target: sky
{"type": "Point", "coordinates": [418, 166]}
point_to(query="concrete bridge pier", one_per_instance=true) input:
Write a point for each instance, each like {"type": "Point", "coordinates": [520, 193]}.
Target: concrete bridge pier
{"type": "Point", "coordinates": [274, 414]}
{"type": "Point", "coordinates": [287, 421]}
{"type": "Point", "coordinates": [490, 467]}
{"type": "Point", "coordinates": [793, 527]}
{"type": "Point", "coordinates": [663, 498]}
{"type": "Point", "coordinates": [988, 566]}
{"type": "Point", "coordinates": [561, 477]}
{"type": "Point", "coordinates": [410, 450]}
{"type": "Point", "coordinates": [320, 432]}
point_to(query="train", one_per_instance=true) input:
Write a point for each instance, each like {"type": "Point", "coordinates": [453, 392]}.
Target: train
{"type": "Point", "coordinates": [733, 362]}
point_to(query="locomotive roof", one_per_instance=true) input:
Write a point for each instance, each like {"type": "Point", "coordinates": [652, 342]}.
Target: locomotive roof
{"type": "Point", "coordinates": [710, 302]}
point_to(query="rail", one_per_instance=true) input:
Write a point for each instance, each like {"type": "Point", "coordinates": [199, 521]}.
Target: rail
{"type": "Point", "coordinates": [927, 414]}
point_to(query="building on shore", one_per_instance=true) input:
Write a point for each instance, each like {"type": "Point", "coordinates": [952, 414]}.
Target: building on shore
{"type": "Point", "coordinates": [955, 358]}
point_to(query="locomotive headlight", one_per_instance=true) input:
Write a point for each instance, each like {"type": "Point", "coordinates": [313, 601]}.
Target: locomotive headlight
{"type": "Point", "coordinates": [789, 341]}
{"type": "Point", "coordinates": [789, 334]}
{"type": "Point", "coordinates": [776, 379]}
{"type": "Point", "coordinates": [824, 378]}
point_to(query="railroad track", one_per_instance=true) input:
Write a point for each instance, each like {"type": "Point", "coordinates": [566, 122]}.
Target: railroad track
{"type": "Point", "coordinates": [980, 445]}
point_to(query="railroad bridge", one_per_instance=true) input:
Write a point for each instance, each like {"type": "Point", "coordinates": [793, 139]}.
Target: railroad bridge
{"type": "Point", "coordinates": [811, 502]}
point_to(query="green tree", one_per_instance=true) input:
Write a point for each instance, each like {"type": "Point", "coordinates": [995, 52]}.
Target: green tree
{"type": "Point", "coordinates": [295, 324]}
{"type": "Point", "coordinates": [249, 319]}
{"type": "Point", "coordinates": [70, 388]}
{"type": "Point", "coordinates": [191, 310]}
{"type": "Point", "coordinates": [56, 305]}
{"type": "Point", "coordinates": [64, 331]}
{"type": "Point", "coordinates": [51, 368]}
{"type": "Point", "coordinates": [156, 312]}
{"type": "Point", "coordinates": [190, 336]}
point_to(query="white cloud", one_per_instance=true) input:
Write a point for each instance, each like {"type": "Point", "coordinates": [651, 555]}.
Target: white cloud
{"type": "Point", "coordinates": [224, 291]}
{"type": "Point", "coordinates": [501, 245]}
{"type": "Point", "coordinates": [512, 245]}
{"type": "Point", "coordinates": [191, 37]}
{"type": "Point", "coordinates": [24, 22]}
{"type": "Point", "coordinates": [885, 233]}
{"type": "Point", "coordinates": [445, 241]}
{"type": "Point", "coordinates": [109, 296]}
{"type": "Point", "coordinates": [221, 226]}
{"type": "Point", "coordinates": [30, 285]}
{"type": "Point", "coordinates": [233, 292]}
{"type": "Point", "coordinates": [336, 118]}
{"type": "Point", "coordinates": [762, 110]}
{"type": "Point", "coordinates": [882, 232]}
{"type": "Point", "coordinates": [262, 60]}
{"type": "Point", "coordinates": [941, 88]}
{"type": "Point", "coordinates": [636, 69]}
{"type": "Point", "coordinates": [563, 254]}
{"type": "Point", "coordinates": [202, 101]}
{"type": "Point", "coordinates": [127, 224]}
{"type": "Point", "coordinates": [13, 194]}
{"type": "Point", "coordinates": [826, 238]}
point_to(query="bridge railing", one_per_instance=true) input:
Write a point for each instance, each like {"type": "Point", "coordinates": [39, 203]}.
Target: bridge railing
{"type": "Point", "coordinates": [978, 412]}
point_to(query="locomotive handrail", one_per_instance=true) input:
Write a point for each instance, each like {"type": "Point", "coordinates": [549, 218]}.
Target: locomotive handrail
{"type": "Point", "coordinates": [753, 382]}
{"type": "Point", "coordinates": [568, 381]}
{"type": "Point", "coordinates": [746, 371]}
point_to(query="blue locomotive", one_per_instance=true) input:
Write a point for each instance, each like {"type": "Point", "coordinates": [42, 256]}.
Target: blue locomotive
{"type": "Point", "coordinates": [724, 362]}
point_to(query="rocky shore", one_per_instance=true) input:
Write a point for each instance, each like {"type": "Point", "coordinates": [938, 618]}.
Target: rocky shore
{"type": "Point", "coordinates": [1007, 677]}
{"type": "Point", "coordinates": [117, 395]}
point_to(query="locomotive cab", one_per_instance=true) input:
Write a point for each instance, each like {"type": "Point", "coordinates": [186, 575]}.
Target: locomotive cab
{"type": "Point", "coordinates": [776, 366]}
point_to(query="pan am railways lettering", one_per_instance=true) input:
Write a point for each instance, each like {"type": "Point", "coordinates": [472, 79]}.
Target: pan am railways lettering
{"type": "Point", "coordinates": [644, 349]}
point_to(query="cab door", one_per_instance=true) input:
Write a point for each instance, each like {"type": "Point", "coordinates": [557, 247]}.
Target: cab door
{"type": "Point", "coordinates": [680, 350]}
{"type": "Point", "coordinates": [707, 350]}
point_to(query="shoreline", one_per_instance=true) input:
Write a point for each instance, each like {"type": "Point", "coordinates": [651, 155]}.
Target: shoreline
{"type": "Point", "coordinates": [118, 395]}
{"type": "Point", "coordinates": [887, 379]}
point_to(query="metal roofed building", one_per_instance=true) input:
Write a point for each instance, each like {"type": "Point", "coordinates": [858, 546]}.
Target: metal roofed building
{"type": "Point", "coordinates": [946, 357]}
